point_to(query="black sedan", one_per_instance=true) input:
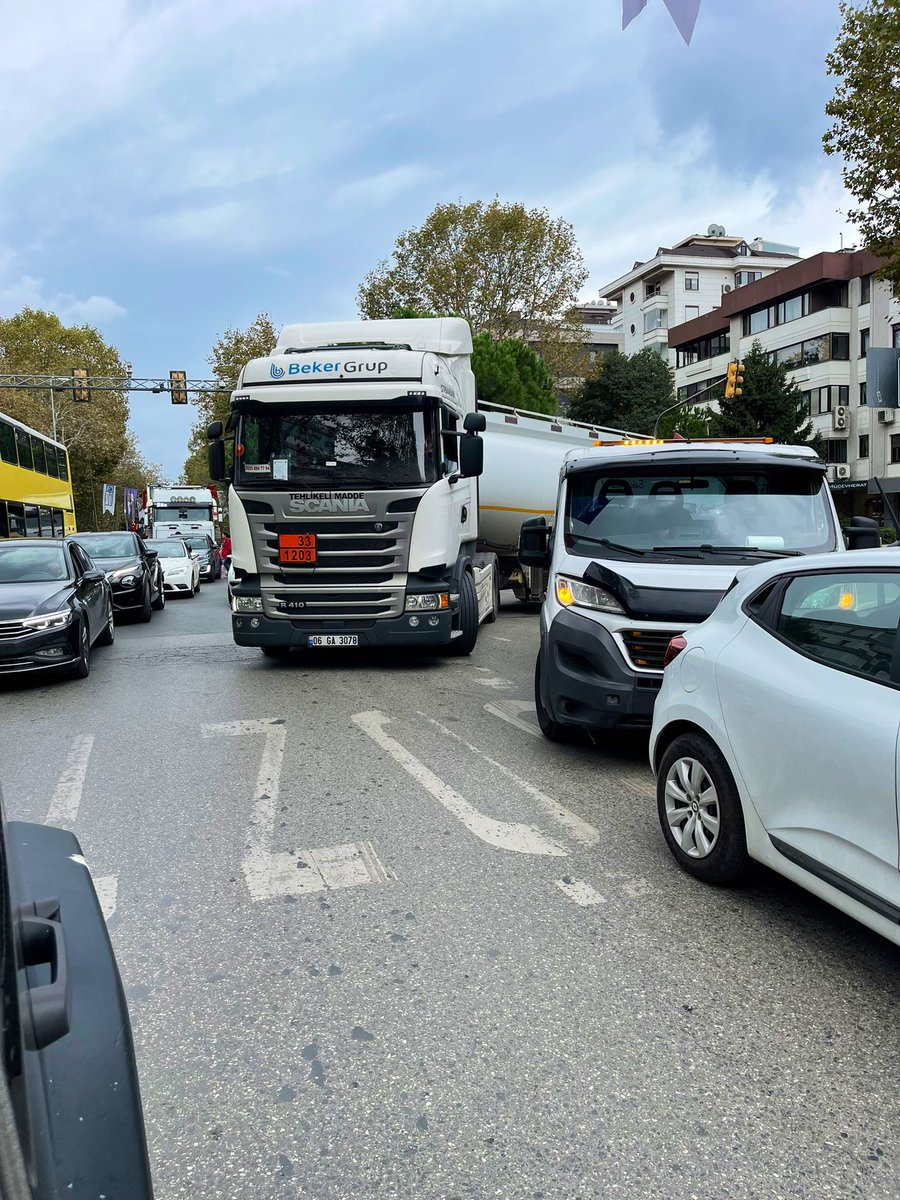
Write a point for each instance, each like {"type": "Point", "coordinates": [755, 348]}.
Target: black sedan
{"type": "Point", "coordinates": [54, 604]}
{"type": "Point", "coordinates": [210, 558]}
{"type": "Point", "coordinates": [132, 569]}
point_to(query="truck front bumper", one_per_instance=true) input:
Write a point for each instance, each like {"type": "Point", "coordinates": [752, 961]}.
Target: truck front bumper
{"type": "Point", "coordinates": [587, 681]}
{"type": "Point", "coordinates": [256, 629]}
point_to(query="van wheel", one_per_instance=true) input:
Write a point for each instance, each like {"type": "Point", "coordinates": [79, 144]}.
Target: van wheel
{"type": "Point", "coordinates": [549, 728]}
{"type": "Point", "coordinates": [468, 620]}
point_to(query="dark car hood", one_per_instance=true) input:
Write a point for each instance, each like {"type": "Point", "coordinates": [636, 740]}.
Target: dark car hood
{"type": "Point", "coordinates": [116, 564]}
{"type": "Point", "coordinates": [19, 600]}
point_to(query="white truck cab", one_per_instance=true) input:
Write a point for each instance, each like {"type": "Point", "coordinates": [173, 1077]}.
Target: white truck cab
{"type": "Point", "coordinates": [647, 538]}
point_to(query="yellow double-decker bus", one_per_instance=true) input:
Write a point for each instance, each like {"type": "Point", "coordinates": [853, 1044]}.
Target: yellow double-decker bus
{"type": "Point", "coordinates": [35, 485]}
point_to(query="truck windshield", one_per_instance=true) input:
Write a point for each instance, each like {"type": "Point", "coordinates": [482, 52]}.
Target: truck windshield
{"type": "Point", "coordinates": [172, 515]}
{"type": "Point", "coordinates": [353, 444]}
{"type": "Point", "coordinates": [699, 509]}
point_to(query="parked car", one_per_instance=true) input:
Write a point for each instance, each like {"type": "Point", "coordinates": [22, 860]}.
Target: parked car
{"type": "Point", "coordinates": [55, 603]}
{"type": "Point", "coordinates": [71, 1120]}
{"type": "Point", "coordinates": [210, 558]}
{"type": "Point", "coordinates": [775, 733]}
{"type": "Point", "coordinates": [179, 564]}
{"type": "Point", "coordinates": [133, 571]}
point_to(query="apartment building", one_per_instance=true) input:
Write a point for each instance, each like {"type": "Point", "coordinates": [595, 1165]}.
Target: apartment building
{"type": "Point", "coordinates": [686, 281]}
{"type": "Point", "coordinates": [819, 317]}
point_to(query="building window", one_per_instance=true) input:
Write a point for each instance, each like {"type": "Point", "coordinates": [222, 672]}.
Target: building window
{"type": "Point", "coordinates": [840, 346]}
{"type": "Point", "coordinates": [843, 393]}
{"type": "Point", "coordinates": [865, 289]}
{"type": "Point", "coordinates": [863, 343]}
{"type": "Point", "coordinates": [691, 312]}
{"type": "Point", "coordinates": [777, 314]}
{"type": "Point", "coordinates": [895, 447]}
{"type": "Point", "coordinates": [692, 281]}
{"type": "Point", "coordinates": [651, 290]}
{"type": "Point", "coordinates": [836, 450]}
{"type": "Point", "coordinates": [863, 445]}
{"type": "Point", "coordinates": [822, 399]}
{"type": "Point", "coordinates": [863, 398]}
{"type": "Point", "coordinates": [703, 348]}
{"type": "Point", "coordinates": [895, 340]}
{"type": "Point", "coordinates": [744, 277]}
{"type": "Point", "coordinates": [657, 318]}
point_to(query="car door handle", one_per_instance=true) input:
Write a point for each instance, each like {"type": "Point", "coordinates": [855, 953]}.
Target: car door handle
{"type": "Point", "coordinates": [43, 941]}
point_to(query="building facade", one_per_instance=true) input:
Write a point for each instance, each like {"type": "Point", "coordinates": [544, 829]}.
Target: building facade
{"type": "Point", "coordinates": [686, 281]}
{"type": "Point", "coordinates": [818, 317]}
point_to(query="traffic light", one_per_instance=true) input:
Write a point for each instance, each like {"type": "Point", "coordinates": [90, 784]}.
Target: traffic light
{"type": "Point", "coordinates": [178, 387]}
{"type": "Point", "coordinates": [733, 380]}
{"type": "Point", "coordinates": [80, 388]}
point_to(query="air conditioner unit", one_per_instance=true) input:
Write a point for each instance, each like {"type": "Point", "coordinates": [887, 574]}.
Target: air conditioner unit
{"type": "Point", "coordinates": [886, 416]}
{"type": "Point", "coordinates": [841, 471]}
{"type": "Point", "coordinates": [726, 287]}
{"type": "Point", "coordinates": [840, 415]}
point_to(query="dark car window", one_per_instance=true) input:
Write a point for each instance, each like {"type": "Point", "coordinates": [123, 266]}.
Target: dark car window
{"type": "Point", "coordinates": [109, 545]}
{"type": "Point", "coordinates": [845, 619]}
{"type": "Point", "coordinates": [32, 564]}
{"type": "Point", "coordinates": [81, 561]}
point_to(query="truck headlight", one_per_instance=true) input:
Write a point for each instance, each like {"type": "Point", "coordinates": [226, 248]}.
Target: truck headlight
{"type": "Point", "coordinates": [427, 601]}
{"type": "Point", "coordinates": [246, 604]}
{"type": "Point", "coordinates": [575, 593]}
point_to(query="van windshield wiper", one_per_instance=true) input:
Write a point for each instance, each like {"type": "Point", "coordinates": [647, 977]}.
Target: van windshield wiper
{"type": "Point", "coordinates": [710, 549]}
{"type": "Point", "coordinates": [583, 537]}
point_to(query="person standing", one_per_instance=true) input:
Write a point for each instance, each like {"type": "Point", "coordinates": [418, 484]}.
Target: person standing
{"type": "Point", "coordinates": [226, 550]}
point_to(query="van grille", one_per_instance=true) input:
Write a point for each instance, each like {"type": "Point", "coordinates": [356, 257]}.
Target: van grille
{"type": "Point", "coordinates": [647, 648]}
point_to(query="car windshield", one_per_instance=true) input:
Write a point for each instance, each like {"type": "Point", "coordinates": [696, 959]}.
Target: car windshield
{"type": "Point", "coordinates": [352, 445]}
{"type": "Point", "coordinates": [699, 509]}
{"type": "Point", "coordinates": [32, 564]}
{"type": "Point", "coordinates": [109, 545]}
{"type": "Point", "coordinates": [168, 549]}
{"type": "Point", "coordinates": [198, 544]}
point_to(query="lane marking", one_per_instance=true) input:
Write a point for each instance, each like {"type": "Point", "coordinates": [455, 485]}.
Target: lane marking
{"type": "Point", "coordinates": [497, 638]}
{"type": "Point", "coordinates": [582, 831]}
{"type": "Point", "coordinates": [66, 797]}
{"type": "Point", "coordinates": [503, 835]}
{"type": "Point", "coordinates": [511, 712]}
{"type": "Point", "coordinates": [269, 873]}
{"type": "Point", "coordinates": [582, 893]}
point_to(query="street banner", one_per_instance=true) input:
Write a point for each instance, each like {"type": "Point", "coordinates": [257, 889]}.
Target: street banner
{"type": "Point", "coordinates": [882, 366]}
{"type": "Point", "coordinates": [130, 502]}
{"type": "Point", "coordinates": [683, 13]}
{"type": "Point", "coordinates": [109, 498]}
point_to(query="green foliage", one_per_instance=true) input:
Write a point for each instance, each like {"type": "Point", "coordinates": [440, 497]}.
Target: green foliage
{"type": "Point", "coordinates": [510, 372]}
{"type": "Point", "coordinates": [33, 342]}
{"type": "Point", "coordinates": [866, 62]}
{"type": "Point", "coordinates": [771, 405]}
{"type": "Point", "coordinates": [690, 421]}
{"type": "Point", "coordinates": [629, 392]}
{"type": "Point", "coordinates": [888, 535]}
{"type": "Point", "coordinates": [234, 349]}
{"type": "Point", "coordinates": [500, 266]}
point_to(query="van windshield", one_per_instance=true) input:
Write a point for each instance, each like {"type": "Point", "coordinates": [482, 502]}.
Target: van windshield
{"type": "Point", "coordinates": [699, 510]}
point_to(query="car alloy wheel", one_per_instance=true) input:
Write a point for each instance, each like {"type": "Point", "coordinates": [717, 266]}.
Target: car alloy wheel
{"type": "Point", "coordinates": [692, 807]}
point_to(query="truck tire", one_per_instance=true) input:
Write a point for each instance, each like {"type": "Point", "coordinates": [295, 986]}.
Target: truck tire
{"type": "Point", "coordinates": [468, 619]}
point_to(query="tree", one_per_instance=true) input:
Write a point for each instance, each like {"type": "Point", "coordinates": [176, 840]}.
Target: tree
{"type": "Point", "coordinates": [502, 267]}
{"type": "Point", "coordinates": [690, 421]}
{"type": "Point", "coordinates": [629, 392]}
{"type": "Point", "coordinates": [866, 61]}
{"type": "Point", "coordinates": [33, 342]}
{"type": "Point", "coordinates": [771, 405]}
{"type": "Point", "coordinates": [510, 372]}
{"type": "Point", "coordinates": [234, 349]}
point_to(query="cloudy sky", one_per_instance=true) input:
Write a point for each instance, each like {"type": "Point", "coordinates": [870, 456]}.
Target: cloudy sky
{"type": "Point", "coordinates": [170, 168]}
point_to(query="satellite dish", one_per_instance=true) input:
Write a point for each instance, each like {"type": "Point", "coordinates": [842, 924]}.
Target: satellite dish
{"type": "Point", "coordinates": [716, 231]}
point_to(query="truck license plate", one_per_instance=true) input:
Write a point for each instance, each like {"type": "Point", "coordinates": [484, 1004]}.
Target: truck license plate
{"type": "Point", "coordinates": [297, 549]}
{"type": "Point", "coordinates": [333, 639]}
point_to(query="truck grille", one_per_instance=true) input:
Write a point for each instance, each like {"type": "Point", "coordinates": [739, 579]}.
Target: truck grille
{"type": "Point", "coordinates": [355, 546]}
{"type": "Point", "coordinates": [647, 648]}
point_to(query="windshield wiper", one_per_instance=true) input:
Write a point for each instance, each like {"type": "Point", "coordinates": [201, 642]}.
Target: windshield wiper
{"type": "Point", "coordinates": [707, 548]}
{"type": "Point", "coordinates": [583, 537]}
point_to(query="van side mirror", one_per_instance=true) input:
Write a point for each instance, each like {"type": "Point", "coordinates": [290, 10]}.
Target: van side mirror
{"type": "Point", "coordinates": [214, 431]}
{"type": "Point", "coordinates": [862, 534]}
{"type": "Point", "coordinates": [534, 543]}
{"type": "Point", "coordinates": [471, 456]}
{"type": "Point", "coordinates": [474, 422]}
{"type": "Point", "coordinates": [216, 456]}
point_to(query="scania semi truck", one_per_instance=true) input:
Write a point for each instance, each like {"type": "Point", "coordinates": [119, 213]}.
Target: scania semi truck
{"type": "Point", "coordinates": [371, 501]}
{"type": "Point", "coordinates": [176, 512]}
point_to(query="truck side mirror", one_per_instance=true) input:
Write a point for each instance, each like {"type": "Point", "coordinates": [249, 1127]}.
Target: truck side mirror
{"type": "Point", "coordinates": [534, 543]}
{"type": "Point", "coordinates": [214, 431]}
{"type": "Point", "coordinates": [216, 456]}
{"type": "Point", "coordinates": [474, 422]}
{"type": "Point", "coordinates": [471, 455]}
{"type": "Point", "coordinates": [862, 534]}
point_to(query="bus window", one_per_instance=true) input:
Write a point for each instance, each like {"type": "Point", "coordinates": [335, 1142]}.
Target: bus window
{"type": "Point", "coordinates": [59, 528]}
{"type": "Point", "coordinates": [16, 519]}
{"type": "Point", "coordinates": [63, 465]}
{"type": "Point", "coordinates": [52, 462]}
{"type": "Point", "coordinates": [40, 455]}
{"type": "Point", "coordinates": [7, 444]}
{"type": "Point", "coordinates": [23, 443]}
{"type": "Point", "coordinates": [32, 521]}
{"type": "Point", "coordinates": [4, 520]}
{"type": "Point", "coordinates": [46, 522]}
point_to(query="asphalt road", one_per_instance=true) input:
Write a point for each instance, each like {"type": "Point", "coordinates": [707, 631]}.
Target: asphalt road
{"type": "Point", "coordinates": [380, 939]}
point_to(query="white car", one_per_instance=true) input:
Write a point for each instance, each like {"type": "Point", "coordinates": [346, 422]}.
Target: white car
{"type": "Point", "coordinates": [775, 733]}
{"type": "Point", "coordinates": [180, 566]}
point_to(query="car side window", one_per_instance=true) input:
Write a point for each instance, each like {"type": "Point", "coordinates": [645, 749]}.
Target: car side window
{"type": "Point", "coordinates": [846, 619]}
{"type": "Point", "coordinates": [79, 559]}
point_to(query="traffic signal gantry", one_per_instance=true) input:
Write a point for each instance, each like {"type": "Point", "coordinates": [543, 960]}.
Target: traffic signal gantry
{"type": "Point", "coordinates": [733, 379]}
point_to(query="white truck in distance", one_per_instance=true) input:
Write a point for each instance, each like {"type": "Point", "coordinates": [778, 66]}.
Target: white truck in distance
{"type": "Point", "coordinates": [176, 512]}
{"type": "Point", "coordinates": [354, 498]}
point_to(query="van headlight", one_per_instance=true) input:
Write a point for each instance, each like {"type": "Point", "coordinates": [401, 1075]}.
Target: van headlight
{"type": "Point", "coordinates": [575, 593]}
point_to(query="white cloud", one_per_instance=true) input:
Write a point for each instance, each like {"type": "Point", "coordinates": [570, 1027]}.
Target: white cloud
{"type": "Point", "coordinates": [382, 187]}
{"type": "Point", "coordinates": [31, 292]}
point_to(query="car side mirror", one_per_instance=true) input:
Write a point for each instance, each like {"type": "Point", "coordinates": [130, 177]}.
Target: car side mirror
{"type": "Point", "coordinates": [534, 543]}
{"type": "Point", "coordinates": [862, 534]}
{"type": "Point", "coordinates": [471, 456]}
{"type": "Point", "coordinates": [151, 554]}
{"type": "Point", "coordinates": [216, 457]}
{"type": "Point", "coordinates": [474, 422]}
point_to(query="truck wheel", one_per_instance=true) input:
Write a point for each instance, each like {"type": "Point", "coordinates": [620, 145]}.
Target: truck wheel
{"type": "Point", "coordinates": [468, 620]}
{"type": "Point", "coordinates": [495, 595]}
{"type": "Point", "coordinates": [549, 728]}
